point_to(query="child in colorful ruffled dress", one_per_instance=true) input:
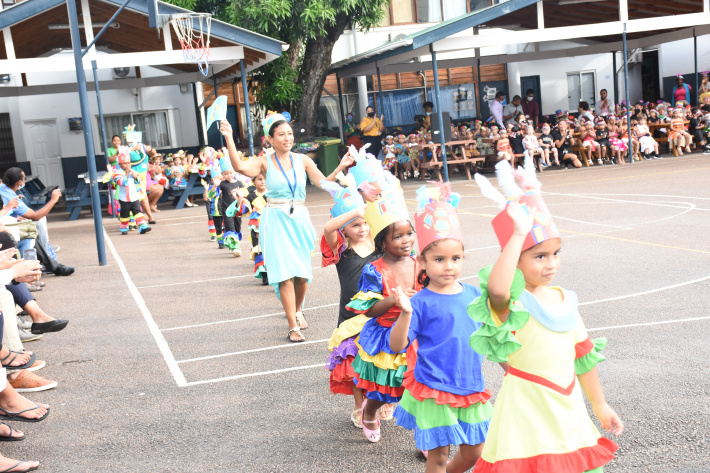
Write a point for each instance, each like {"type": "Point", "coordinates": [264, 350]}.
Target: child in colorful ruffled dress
{"type": "Point", "coordinates": [129, 192]}
{"type": "Point", "coordinates": [379, 370]}
{"type": "Point", "coordinates": [257, 201]}
{"type": "Point", "coordinates": [212, 196]}
{"type": "Point", "coordinates": [540, 422]}
{"type": "Point", "coordinates": [347, 243]}
{"type": "Point", "coordinates": [445, 401]}
{"type": "Point", "coordinates": [232, 190]}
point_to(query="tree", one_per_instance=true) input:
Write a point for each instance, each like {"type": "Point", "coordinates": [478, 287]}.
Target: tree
{"type": "Point", "coordinates": [310, 27]}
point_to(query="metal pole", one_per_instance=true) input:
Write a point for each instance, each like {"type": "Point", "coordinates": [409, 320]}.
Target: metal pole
{"type": "Point", "coordinates": [103, 129]}
{"type": "Point", "coordinates": [237, 113]}
{"type": "Point", "coordinates": [216, 88]}
{"type": "Point", "coordinates": [118, 12]}
{"type": "Point", "coordinates": [198, 118]}
{"type": "Point", "coordinates": [243, 69]}
{"type": "Point", "coordinates": [616, 79]}
{"type": "Point", "coordinates": [695, 56]}
{"type": "Point", "coordinates": [479, 104]}
{"type": "Point", "coordinates": [628, 104]}
{"type": "Point", "coordinates": [88, 135]}
{"type": "Point", "coordinates": [381, 110]}
{"type": "Point", "coordinates": [437, 101]}
{"type": "Point", "coordinates": [342, 110]}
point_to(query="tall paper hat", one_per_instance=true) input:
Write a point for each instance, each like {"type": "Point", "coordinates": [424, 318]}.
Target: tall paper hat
{"type": "Point", "coordinates": [346, 198]}
{"type": "Point", "coordinates": [123, 155]}
{"type": "Point", "coordinates": [131, 135]}
{"type": "Point", "coordinates": [436, 217]}
{"type": "Point", "coordinates": [225, 164]}
{"type": "Point", "coordinates": [367, 168]}
{"type": "Point", "coordinates": [271, 118]}
{"type": "Point", "coordinates": [386, 210]}
{"type": "Point", "coordinates": [544, 227]}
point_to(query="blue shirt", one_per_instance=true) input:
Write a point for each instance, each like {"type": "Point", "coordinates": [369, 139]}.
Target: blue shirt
{"type": "Point", "coordinates": [442, 326]}
{"type": "Point", "coordinates": [7, 195]}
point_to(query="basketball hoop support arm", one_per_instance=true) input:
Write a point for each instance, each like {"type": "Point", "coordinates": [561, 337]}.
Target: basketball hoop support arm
{"type": "Point", "coordinates": [118, 12]}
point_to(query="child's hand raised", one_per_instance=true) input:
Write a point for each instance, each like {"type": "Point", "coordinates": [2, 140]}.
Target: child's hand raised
{"type": "Point", "coordinates": [402, 301]}
{"type": "Point", "coordinates": [522, 220]}
{"type": "Point", "coordinates": [611, 422]}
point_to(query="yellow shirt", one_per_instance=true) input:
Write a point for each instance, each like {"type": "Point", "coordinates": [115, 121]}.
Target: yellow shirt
{"type": "Point", "coordinates": [374, 131]}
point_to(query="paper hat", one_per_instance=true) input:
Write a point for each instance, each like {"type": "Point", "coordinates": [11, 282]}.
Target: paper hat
{"type": "Point", "coordinates": [271, 118]}
{"type": "Point", "coordinates": [124, 155]}
{"type": "Point", "coordinates": [386, 210]}
{"type": "Point", "coordinates": [435, 218]}
{"type": "Point", "coordinates": [131, 135]}
{"type": "Point", "coordinates": [544, 227]}
{"type": "Point", "coordinates": [367, 168]}
{"type": "Point", "coordinates": [225, 164]}
{"type": "Point", "coordinates": [346, 198]}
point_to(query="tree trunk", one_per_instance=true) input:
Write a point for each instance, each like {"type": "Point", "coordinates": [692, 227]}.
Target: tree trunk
{"type": "Point", "coordinates": [293, 54]}
{"type": "Point", "coordinates": [314, 70]}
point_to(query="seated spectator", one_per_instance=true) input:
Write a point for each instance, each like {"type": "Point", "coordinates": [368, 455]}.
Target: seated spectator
{"type": "Point", "coordinates": [532, 146]}
{"type": "Point", "coordinates": [503, 148]}
{"type": "Point", "coordinates": [678, 136]}
{"type": "Point", "coordinates": [648, 146]}
{"type": "Point", "coordinates": [584, 111]}
{"type": "Point", "coordinates": [548, 144]}
{"type": "Point", "coordinates": [589, 143]}
{"type": "Point", "coordinates": [155, 183]}
{"type": "Point", "coordinates": [563, 140]}
{"type": "Point", "coordinates": [12, 181]}
{"type": "Point", "coordinates": [602, 137]}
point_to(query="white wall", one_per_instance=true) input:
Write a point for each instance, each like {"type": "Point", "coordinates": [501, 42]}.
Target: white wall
{"type": "Point", "coordinates": [677, 57]}
{"type": "Point", "coordinates": [180, 106]}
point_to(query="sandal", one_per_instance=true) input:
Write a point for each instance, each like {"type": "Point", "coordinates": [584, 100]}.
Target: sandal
{"type": "Point", "coordinates": [288, 337]}
{"type": "Point", "coordinates": [15, 416]}
{"type": "Point", "coordinates": [356, 418]}
{"type": "Point", "coordinates": [386, 412]}
{"type": "Point", "coordinates": [301, 321]}
{"type": "Point", "coordinates": [371, 435]}
{"type": "Point", "coordinates": [12, 468]}
{"type": "Point", "coordinates": [16, 353]}
{"type": "Point", "coordinates": [10, 438]}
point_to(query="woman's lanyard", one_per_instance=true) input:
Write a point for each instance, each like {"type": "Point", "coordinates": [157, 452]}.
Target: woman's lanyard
{"type": "Point", "coordinates": [292, 188]}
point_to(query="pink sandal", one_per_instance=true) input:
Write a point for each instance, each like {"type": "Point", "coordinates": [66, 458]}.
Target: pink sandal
{"type": "Point", "coordinates": [371, 435]}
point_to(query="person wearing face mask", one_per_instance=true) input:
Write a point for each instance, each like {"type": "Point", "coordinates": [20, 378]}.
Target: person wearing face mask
{"type": "Point", "coordinates": [352, 136]}
{"type": "Point", "coordinates": [428, 109]}
{"type": "Point", "coordinates": [372, 127]}
{"type": "Point", "coordinates": [531, 109]}
{"type": "Point", "coordinates": [511, 110]}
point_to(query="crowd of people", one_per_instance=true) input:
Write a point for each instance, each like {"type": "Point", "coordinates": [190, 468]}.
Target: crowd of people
{"type": "Point", "coordinates": [25, 255]}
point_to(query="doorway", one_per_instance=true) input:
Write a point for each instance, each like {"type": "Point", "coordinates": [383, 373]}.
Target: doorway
{"type": "Point", "coordinates": [650, 76]}
{"type": "Point", "coordinates": [43, 151]}
{"type": "Point", "coordinates": [581, 88]}
{"type": "Point", "coordinates": [533, 83]}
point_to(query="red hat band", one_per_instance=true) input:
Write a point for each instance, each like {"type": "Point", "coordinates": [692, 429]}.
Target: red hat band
{"type": "Point", "coordinates": [543, 229]}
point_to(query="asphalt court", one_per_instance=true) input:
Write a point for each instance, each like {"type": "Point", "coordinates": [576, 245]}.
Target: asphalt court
{"type": "Point", "coordinates": [635, 249]}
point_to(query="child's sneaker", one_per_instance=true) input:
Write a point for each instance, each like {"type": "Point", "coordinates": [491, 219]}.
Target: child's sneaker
{"type": "Point", "coordinates": [124, 232]}
{"type": "Point", "coordinates": [220, 245]}
{"type": "Point", "coordinates": [213, 238]}
{"type": "Point", "coordinates": [144, 229]}
{"type": "Point", "coordinates": [237, 252]}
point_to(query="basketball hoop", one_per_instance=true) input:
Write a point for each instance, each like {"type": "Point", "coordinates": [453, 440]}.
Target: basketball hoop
{"type": "Point", "coordinates": [193, 31]}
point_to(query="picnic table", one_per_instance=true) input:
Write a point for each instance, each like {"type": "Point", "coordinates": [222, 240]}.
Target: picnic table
{"type": "Point", "coordinates": [467, 161]}
{"type": "Point", "coordinates": [81, 196]}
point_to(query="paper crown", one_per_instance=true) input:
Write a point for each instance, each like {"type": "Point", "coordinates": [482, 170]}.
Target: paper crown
{"type": "Point", "coordinates": [123, 155]}
{"type": "Point", "coordinates": [544, 227]}
{"type": "Point", "coordinates": [386, 210]}
{"type": "Point", "coordinates": [367, 168]}
{"type": "Point", "coordinates": [270, 119]}
{"type": "Point", "coordinates": [225, 164]}
{"type": "Point", "coordinates": [436, 217]}
{"type": "Point", "coordinates": [346, 198]}
{"type": "Point", "coordinates": [131, 135]}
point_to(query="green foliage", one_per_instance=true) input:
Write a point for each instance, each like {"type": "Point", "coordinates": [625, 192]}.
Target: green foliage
{"type": "Point", "coordinates": [274, 86]}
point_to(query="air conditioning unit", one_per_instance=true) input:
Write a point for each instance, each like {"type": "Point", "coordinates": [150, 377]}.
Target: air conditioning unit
{"type": "Point", "coordinates": [123, 72]}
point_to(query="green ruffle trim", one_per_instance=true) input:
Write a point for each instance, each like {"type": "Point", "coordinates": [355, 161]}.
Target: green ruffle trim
{"type": "Point", "coordinates": [231, 242]}
{"type": "Point", "coordinates": [596, 470]}
{"type": "Point", "coordinates": [362, 301]}
{"type": "Point", "coordinates": [430, 415]}
{"type": "Point", "coordinates": [259, 271]}
{"type": "Point", "coordinates": [232, 209]}
{"type": "Point", "coordinates": [372, 373]}
{"type": "Point", "coordinates": [252, 228]}
{"type": "Point", "coordinates": [490, 340]}
{"type": "Point", "coordinates": [587, 363]}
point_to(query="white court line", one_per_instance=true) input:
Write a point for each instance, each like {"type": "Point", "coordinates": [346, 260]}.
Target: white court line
{"type": "Point", "coordinates": [649, 195]}
{"type": "Point", "coordinates": [249, 375]}
{"type": "Point", "coordinates": [198, 281]}
{"type": "Point", "coordinates": [253, 350]}
{"type": "Point", "coordinates": [244, 318]}
{"type": "Point", "coordinates": [152, 326]}
{"type": "Point", "coordinates": [645, 324]}
{"type": "Point", "coordinates": [637, 294]}
{"type": "Point", "coordinates": [557, 217]}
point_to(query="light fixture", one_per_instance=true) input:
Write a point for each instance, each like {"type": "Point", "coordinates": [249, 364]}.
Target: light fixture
{"type": "Point", "coordinates": [65, 26]}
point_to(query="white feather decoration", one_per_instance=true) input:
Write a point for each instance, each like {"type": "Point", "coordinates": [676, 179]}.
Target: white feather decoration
{"type": "Point", "coordinates": [529, 167]}
{"type": "Point", "coordinates": [506, 179]}
{"type": "Point", "coordinates": [489, 191]}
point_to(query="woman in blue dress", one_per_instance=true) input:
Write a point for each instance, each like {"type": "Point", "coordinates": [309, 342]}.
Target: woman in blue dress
{"type": "Point", "coordinates": [287, 235]}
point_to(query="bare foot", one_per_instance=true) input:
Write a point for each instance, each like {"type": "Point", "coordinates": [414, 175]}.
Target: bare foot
{"type": "Point", "coordinates": [7, 465]}
{"type": "Point", "coordinates": [19, 360]}
{"type": "Point", "coordinates": [12, 401]}
{"type": "Point", "coordinates": [8, 432]}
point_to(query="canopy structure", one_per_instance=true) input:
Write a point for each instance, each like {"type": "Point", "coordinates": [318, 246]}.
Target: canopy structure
{"type": "Point", "coordinates": [34, 30]}
{"type": "Point", "coordinates": [529, 30]}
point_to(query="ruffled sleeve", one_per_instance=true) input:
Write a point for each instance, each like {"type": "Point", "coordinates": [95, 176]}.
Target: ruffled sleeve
{"type": "Point", "coordinates": [370, 290]}
{"type": "Point", "coordinates": [327, 252]}
{"type": "Point", "coordinates": [494, 339]}
{"type": "Point", "coordinates": [232, 209]}
{"type": "Point", "coordinates": [588, 354]}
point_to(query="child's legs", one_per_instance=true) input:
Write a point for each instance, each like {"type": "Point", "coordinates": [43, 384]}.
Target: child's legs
{"type": "Point", "coordinates": [436, 461]}
{"type": "Point", "coordinates": [546, 156]}
{"type": "Point", "coordinates": [137, 214]}
{"type": "Point", "coordinates": [369, 412]}
{"type": "Point", "coordinates": [358, 396]}
{"type": "Point", "coordinates": [555, 155]}
{"type": "Point", "coordinates": [125, 215]}
{"type": "Point", "coordinates": [232, 224]}
{"type": "Point", "coordinates": [465, 458]}
{"type": "Point", "coordinates": [218, 226]}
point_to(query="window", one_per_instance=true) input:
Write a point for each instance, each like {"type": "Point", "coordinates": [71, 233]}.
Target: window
{"type": "Point", "coordinates": [402, 11]}
{"type": "Point", "coordinates": [580, 87]}
{"type": "Point", "coordinates": [154, 126]}
{"type": "Point", "coordinates": [428, 11]}
{"type": "Point", "coordinates": [7, 146]}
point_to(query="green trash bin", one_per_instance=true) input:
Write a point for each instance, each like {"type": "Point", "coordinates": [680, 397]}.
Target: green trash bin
{"type": "Point", "coordinates": [327, 154]}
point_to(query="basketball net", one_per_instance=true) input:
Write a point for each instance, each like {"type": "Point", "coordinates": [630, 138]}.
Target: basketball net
{"type": "Point", "coordinates": [195, 41]}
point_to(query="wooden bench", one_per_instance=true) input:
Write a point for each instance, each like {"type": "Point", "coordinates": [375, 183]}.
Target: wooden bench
{"type": "Point", "coordinates": [436, 165]}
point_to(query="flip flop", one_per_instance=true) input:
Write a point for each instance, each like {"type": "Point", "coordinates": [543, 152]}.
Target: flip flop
{"type": "Point", "coordinates": [32, 468]}
{"type": "Point", "coordinates": [15, 416]}
{"type": "Point", "coordinates": [33, 357]}
{"type": "Point", "coordinates": [10, 438]}
{"type": "Point", "coordinates": [288, 337]}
